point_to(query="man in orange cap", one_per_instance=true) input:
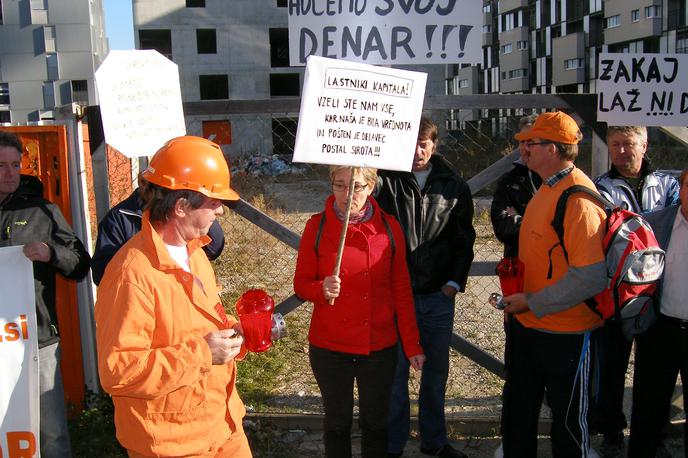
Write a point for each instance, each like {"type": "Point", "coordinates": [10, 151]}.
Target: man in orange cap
{"type": "Point", "coordinates": [551, 332]}
{"type": "Point", "coordinates": [166, 348]}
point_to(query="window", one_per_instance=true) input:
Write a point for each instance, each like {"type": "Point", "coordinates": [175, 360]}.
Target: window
{"type": "Point", "coordinates": [570, 64]}
{"type": "Point", "coordinates": [507, 48]}
{"type": "Point", "coordinates": [283, 135]}
{"type": "Point", "coordinates": [487, 8]}
{"type": "Point", "coordinates": [206, 41]}
{"type": "Point", "coordinates": [195, 3]}
{"type": "Point", "coordinates": [635, 15]}
{"type": "Point", "coordinates": [158, 39]}
{"type": "Point", "coordinates": [48, 95]}
{"type": "Point", "coordinates": [49, 38]}
{"type": "Point", "coordinates": [522, 45]}
{"type": "Point", "coordinates": [5, 116]}
{"type": "Point", "coordinates": [285, 85]}
{"type": "Point", "coordinates": [219, 132]}
{"type": "Point", "coordinates": [214, 87]}
{"type": "Point", "coordinates": [519, 73]}
{"type": "Point", "coordinates": [613, 21]}
{"type": "Point", "coordinates": [682, 45]}
{"type": "Point", "coordinates": [39, 12]}
{"type": "Point", "coordinates": [281, 3]}
{"type": "Point", "coordinates": [52, 66]}
{"type": "Point", "coordinates": [0, 11]}
{"type": "Point", "coordinates": [487, 28]}
{"type": "Point", "coordinates": [80, 91]}
{"type": "Point", "coordinates": [463, 83]}
{"type": "Point", "coordinates": [653, 11]}
{"type": "Point", "coordinates": [279, 47]}
{"type": "Point", "coordinates": [4, 93]}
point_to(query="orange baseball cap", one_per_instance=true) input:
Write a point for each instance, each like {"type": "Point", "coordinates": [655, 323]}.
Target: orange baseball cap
{"type": "Point", "coordinates": [556, 126]}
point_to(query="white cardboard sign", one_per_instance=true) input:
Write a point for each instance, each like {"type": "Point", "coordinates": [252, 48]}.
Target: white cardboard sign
{"type": "Point", "coordinates": [386, 31]}
{"type": "Point", "coordinates": [359, 115]}
{"type": "Point", "coordinates": [19, 389]}
{"type": "Point", "coordinates": [642, 89]}
{"type": "Point", "coordinates": [140, 101]}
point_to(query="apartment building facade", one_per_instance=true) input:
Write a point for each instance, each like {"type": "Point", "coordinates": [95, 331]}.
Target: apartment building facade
{"type": "Point", "coordinates": [552, 46]}
{"type": "Point", "coordinates": [49, 51]}
{"type": "Point", "coordinates": [236, 50]}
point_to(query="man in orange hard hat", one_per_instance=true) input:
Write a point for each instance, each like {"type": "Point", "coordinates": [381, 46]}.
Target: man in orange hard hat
{"type": "Point", "coordinates": [166, 348]}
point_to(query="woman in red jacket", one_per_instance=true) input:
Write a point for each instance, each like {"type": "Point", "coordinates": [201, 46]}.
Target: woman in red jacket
{"type": "Point", "coordinates": [355, 337]}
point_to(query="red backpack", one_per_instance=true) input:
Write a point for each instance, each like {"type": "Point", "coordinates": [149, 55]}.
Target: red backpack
{"type": "Point", "coordinates": [634, 260]}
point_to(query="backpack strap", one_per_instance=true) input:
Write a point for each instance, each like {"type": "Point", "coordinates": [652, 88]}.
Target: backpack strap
{"type": "Point", "coordinates": [319, 234]}
{"type": "Point", "coordinates": [560, 211]}
{"type": "Point", "coordinates": [389, 234]}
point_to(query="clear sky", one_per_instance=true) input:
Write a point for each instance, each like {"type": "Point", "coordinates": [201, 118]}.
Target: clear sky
{"type": "Point", "coordinates": [119, 25]}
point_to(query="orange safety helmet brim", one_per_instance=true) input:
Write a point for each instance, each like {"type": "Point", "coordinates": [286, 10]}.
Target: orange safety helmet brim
{"type": "Point", "coordinates": [192, 163]}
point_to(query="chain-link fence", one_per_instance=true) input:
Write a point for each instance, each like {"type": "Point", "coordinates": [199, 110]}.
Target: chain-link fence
{"type": "Point", "coordinates": [291, 193]}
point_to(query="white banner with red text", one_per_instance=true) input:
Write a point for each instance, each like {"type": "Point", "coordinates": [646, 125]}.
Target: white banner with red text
{"type": "Point", "coordinates": [19, 390]}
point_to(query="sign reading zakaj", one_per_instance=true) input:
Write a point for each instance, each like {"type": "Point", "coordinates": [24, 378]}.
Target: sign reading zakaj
{"type": "Point", "coordinates": [642, 89]}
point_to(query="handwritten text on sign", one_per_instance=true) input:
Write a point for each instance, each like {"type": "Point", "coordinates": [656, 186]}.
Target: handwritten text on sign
{"type": "Point", "coordinates": [642, 89]}
{"type": "Point", "coordinates": [19, 385]}
{"type": "Point", "coordinates": [359, 115]}
{"type": "Point", "coordinates": [386, 31]}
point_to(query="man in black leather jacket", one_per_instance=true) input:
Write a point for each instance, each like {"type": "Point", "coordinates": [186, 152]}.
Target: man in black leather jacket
{"type": "Point", "coordinates": [27, 219]}
{"type": "Point", "coordinates": [435, 209]}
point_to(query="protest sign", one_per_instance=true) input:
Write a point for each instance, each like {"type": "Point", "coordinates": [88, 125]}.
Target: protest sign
{"type": "Point", "coordinates": [642, 89]}
{"type": "Point", "coordinates": [386, 31]}
{"type": "Point", "coordinates": [140, 101]}
{"type": "Point", "coordinates": [359, 115]}
{"type": "Point", "coordinates": [19, 389]}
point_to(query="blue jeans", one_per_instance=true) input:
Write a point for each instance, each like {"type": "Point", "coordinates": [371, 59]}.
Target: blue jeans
{"type": "Point", "coordinates": [54, 433]}
{"type": "Point", "coordinates": [435, 317]}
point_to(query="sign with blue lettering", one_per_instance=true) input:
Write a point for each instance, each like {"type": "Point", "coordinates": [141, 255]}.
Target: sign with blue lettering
{"type": "Point", "coordinates": [359, 115]}
{"type": "Point", "coordinates": [386, 31]}
{"type": "Point", "coordinates": [642, 89]}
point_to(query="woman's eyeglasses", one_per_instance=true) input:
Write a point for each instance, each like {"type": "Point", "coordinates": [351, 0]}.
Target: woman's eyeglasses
{"type": "Point", "coordinates": [338, 187]}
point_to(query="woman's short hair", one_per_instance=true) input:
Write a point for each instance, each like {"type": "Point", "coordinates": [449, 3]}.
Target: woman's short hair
{"type": "Point", "coordinates": [160, 201]}
{"type": "Point", "coordinates": [368, 174]}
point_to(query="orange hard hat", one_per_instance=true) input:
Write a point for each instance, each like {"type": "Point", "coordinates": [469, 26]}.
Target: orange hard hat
{"type": "Point", "coordinates": [192, 163]}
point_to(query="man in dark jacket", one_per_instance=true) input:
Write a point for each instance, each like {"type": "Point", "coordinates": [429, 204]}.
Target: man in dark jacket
{"type": "Point", "coordinates": [27, 219]}
{"type": "Point", "coordinates": [123, 221]}
{"type": "Point", "coordinates": [435, 209]}
{"type": "Point", "coordinates": [514, 190]}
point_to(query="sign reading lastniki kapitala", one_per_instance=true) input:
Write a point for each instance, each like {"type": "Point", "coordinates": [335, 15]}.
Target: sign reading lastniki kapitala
{"type": "Point", "coordinates": [642, 89]}
{"type": "Point", "coordinates": [359, 115]}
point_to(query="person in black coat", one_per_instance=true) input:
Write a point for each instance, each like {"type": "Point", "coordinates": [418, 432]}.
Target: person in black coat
{"type": "Point", "coordinates": [514, 190]}
{"type": "Point", "coordinates": [123, 221]}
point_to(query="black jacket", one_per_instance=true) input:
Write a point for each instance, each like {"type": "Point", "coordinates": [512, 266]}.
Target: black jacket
{"type": "Point", "coordinates": [122, 222]}
{"type": "Point", "coordinates": [437, 223]}
{"type": "Point", "coordinates": [25, 216]}
{"type": "Point", "coordinates": [514, 189]}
